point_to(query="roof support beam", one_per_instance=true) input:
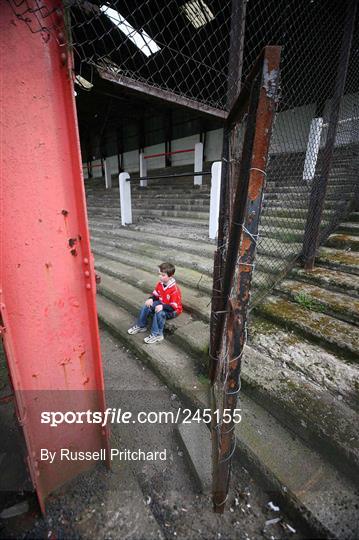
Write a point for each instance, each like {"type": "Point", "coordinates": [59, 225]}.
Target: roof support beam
{"type": "Point", "coordinates": [144, 89]}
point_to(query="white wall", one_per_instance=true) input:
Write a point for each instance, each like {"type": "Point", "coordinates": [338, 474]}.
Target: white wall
{"type": "Point", "coordinates": [291, 130]}
{"type": "Point", "coordinates": [185, 143]}
{"type": "Point", "coordinates": [290, 134]}
{"type": "Point", "coordinates": [214, 141]}
{"type": "Point", "coordinates": [158, 162]}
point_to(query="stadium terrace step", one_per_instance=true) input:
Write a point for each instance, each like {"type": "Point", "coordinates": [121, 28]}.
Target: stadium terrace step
{"type": "Point", "coordinates": [332, 333]}
{"type": "Point", "coordinates": [343, 241]}
{"type": "Point", "coordinates": [190, 246]}
{"type": "Point", "coordinates": [200, 216]}
{"type": "Point", "coordinates": [287, 376]}
{"type": "Point", "coordinates": [277, 209]}
{"type": "Point", "coordinates": [349, 228]}
{"type": "Point", "coordinates": [322, 300]}
{"type": "Point", "coordinates": [135, 287]}
{"type": "Point", "coordinates": [300, 203]}
{"type": "Point", "coordinates": [123, 273]}
{"type": "Point", "coordinates": [191, 259]}
{"type": "Point", "coordinates": [189, 196]}
{"type": "Point", "coordinates": [194, 279]}
{"type": "Point", "coordinates": [142, 249]}
{"type": "Point", "coordinates": [334, 280]}
{"type": "Point", "coordinates": [289, 466]}
{"type": "Point", "coordinates": [303, 189]}
{"type": "Point", "coordinates": [170, 206]}
{"type": "Point", "coordinates": [337, 259]}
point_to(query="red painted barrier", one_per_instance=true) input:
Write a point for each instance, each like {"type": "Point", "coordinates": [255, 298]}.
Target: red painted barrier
{"type": "Point", "coordinates": [169, 153]}
{"type": "Point", "coordinates": [47, 278]}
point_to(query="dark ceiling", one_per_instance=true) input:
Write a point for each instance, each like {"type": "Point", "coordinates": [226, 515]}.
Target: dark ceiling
{"type": "Point", "coordinates": [193, 63]}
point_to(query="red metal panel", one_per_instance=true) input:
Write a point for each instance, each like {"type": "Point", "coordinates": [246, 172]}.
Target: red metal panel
{"type": "Point", "coordinates": [47, 279]}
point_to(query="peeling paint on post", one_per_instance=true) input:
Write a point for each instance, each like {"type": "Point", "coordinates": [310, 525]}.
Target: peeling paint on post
{"type": "Point", "coordinates": [261, 106]}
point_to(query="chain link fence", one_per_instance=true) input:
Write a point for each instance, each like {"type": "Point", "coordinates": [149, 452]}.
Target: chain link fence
{"type": "Point", "coordinates": [197, 50]}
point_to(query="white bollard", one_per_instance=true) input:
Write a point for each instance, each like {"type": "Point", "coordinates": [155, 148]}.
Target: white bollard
{"type": "Point", "coordinates": [198, 162]}
{"type": "Point", "coordinates": [125, 198]}
{"type": "Point", "coordinates": [311, 155]}
{"type": "Point", "coordinates": [108, 180]}
{"type": "Point", "coordinates": [143, 169]}
{"type": "Point", "coordinates": [216, 174]}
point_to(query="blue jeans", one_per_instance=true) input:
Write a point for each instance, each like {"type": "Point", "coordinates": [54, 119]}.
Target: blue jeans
{"type": "Point", "coordinates": [159, 319]}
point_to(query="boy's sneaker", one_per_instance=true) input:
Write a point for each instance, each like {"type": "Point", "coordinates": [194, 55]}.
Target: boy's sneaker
{"type": "Point", "coordinates": [153, 339]}
{"type": "Point", "coordinates": [136, 329]}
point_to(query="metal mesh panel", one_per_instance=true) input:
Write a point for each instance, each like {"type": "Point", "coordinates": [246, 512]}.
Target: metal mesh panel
{"type": "Point", "coordinates": [158, 43]}
{"type": "Point", "coordinates": [311, 35]}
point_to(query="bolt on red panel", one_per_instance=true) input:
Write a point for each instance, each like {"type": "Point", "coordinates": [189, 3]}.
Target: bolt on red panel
{"type": "Point", "coordinates": [47, 279]}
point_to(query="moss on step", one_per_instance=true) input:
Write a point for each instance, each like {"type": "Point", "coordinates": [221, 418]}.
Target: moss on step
{"type": "Point", "coordinates": [321, 300]}
{"type": "Point", "coordinates": [343, 241]}
{"type": "Point", "coordinates": [334, 280]}
{"type": "Point", "coordinates": [308, 302]}
{"type": "Point", "coordinates": [344, 261]}
{"type": "Point", "coordinates": [322, 328]}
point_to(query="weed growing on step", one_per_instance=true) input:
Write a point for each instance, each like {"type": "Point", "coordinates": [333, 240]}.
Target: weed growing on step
{"type": "Point", "coordinates": [308, 302]}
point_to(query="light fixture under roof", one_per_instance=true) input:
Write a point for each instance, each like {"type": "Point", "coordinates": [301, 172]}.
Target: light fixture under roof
{"type": "Point", "coordinates": [141, 39]}
{"type": "Point", "coordinates": [197, 12]}
{"type": "Point", "coordinates": [85, 84]}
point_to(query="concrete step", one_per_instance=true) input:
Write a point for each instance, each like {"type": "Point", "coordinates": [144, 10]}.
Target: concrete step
{"type": "Point", "coordinates": [155, 189]}
{"type": "Point", "coordinates": [152, 212]}
{"type": "Point", "coordinates": [270, 221]}
{"type": "Point", "coordinates": [199, 260]}
{"type": "Point", "coordinates": [156, 227]}
{"type": "Point", "coordinates": [128, 289]}
{"type": "Point", "coordinates": [302, 188]}
{"type": "Point", "coordinates": [332, 333]}
{"type": "Point", "coordinates": [113, 195]}
{"type": "Point", "coordinates": [147, 193]}
{"type": "Point", "coordinates": [197, 216]}
{"type": "Point", "coordinates": [131, 288]}
{"type": "Point", "coordinates": [299, 204]}
{"type": "Point", "coordinates": [170, 206]}
{"type": "Point", "coordinates": [141, 249]}
{"type": "Point", "coordinates": [264, 445]}
{"type": "Point", "coordinates": [153, 205]}
{"type": "Point", "coordinates": [298, 212]}
{"type": "Point", "coordinates": [354, 216]}
{"type": "Point", "coordinates": [152, 232]}
{"type": "Point", "coordinates": [337, 259]}
{"type": "Point", "coordinates": [204, 249]}
{"type": "Point", "coordinates": [343, 242]}
{"type": "Point", "coordinates": [350, 228]}
{"type": "Point", "coordinates": [189, 277]}
{"type": "Point", "coordinates": [284, 235]}
{"type": "Point", "coordinates": [108, 258]}
{"type": "Point", "coordinates": [334, 280]}
{"type": "Point", "coordinates": [266, 246]}
{"type": "Point", "coordinates": [322, 300]}
{"type": "Point", "coordinates": [140, 216]}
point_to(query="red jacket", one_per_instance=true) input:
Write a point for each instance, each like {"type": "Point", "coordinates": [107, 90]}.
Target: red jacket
{"type": "Point", "coordinates": [169, 294]}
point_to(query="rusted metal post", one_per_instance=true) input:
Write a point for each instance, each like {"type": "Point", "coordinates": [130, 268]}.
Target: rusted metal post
{"type": "Point", "coordinates": [229, 167]}
{"type": "Point", "coordinates": [242, 241]}
{"type": "Point", "coordinates": [234, 86]}
{"type": "Point", "coordinates": [235, 64]}
{"type": "Point", "coordinates": [319, 187]}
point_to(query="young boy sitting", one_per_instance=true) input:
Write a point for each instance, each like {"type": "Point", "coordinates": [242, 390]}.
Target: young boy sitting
{"type": "Point", "coordinates": [164, 303]}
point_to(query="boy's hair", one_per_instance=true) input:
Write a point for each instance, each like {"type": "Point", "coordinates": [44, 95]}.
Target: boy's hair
{"type": "Point", "coordinates": [167, 268]}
